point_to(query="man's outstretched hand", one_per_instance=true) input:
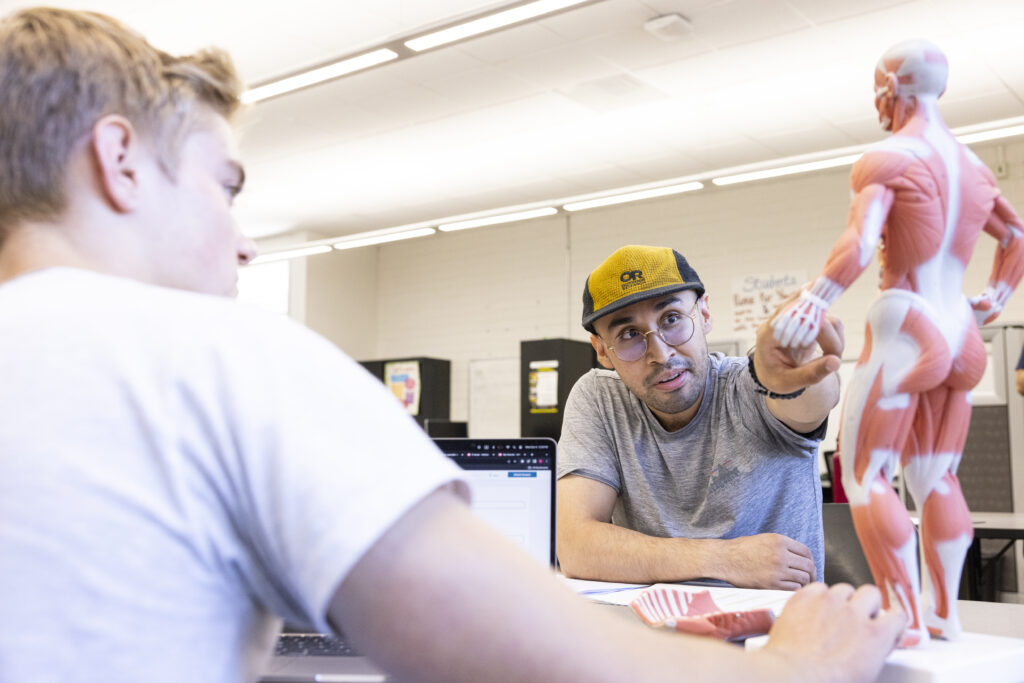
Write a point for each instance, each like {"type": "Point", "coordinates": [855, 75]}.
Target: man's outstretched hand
{"type": "Point", "coordinates": [783, 366]}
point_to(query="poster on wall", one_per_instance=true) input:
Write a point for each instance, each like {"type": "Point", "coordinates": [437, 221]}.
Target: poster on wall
{"type": "Point", "coordinates": [544, 386]}
{"type": "Point", "coordinates": [755, 298]}
{"type": "Point", "coordinates": [403, 378]}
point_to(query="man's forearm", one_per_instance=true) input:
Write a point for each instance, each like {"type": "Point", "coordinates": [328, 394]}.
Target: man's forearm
{"type": "Point", "coordinates": [807, 411]}
{"type": "Point", "coordinates": [606, 552]}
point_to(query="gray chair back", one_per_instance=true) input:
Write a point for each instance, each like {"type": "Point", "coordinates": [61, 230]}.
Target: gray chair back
{"type": "Point", "coordinates": [844, 558]}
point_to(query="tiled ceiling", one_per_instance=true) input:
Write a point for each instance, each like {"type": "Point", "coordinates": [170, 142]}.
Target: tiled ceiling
{"type": "Point", "coordinates": [580, 102]}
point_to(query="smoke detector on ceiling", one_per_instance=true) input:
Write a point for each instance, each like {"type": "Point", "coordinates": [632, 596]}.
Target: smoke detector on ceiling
{"type": "Point", "coordinates": [669, 27]}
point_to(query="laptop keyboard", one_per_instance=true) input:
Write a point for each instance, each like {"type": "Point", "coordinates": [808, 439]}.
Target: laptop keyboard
{"type": "Point", "coordinates": [313, 645]}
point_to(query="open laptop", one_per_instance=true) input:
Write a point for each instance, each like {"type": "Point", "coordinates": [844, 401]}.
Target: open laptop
{"type": "Point", "coordinates": [513, 487]}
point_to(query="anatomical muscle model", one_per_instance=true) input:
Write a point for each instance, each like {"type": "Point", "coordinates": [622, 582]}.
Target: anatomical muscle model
{"type": "Point", "coordinates": [922, 199]}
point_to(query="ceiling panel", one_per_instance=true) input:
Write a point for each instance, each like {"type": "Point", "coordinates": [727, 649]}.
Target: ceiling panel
{"type": "Point", "coordinates": [743, 21]}
{"type": "Point", "coordinates": [658, 168]}
{"type": "Point", "coordinates": [806, 141]}
{"type": "Point", "coordinates": [482, 87]}
{"type": "Point", "coordinates": [824, 11]}
{"type": "Point", "coordinates": [634, 48]}
{"type": "Point", "coordinates": [553, 68]}
{"type": "Point", "coordinates": [730, 152]}
{"type": "Point", "coordinates": [503, 45]}
{"type": "Point", "coordinates": [598, 19]}
{"type": "Point", "coordinates": [999, 105]}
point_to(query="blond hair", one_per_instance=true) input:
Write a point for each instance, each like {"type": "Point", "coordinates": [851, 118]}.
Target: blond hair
{"type": "Point", "coordinates": [61, 71]}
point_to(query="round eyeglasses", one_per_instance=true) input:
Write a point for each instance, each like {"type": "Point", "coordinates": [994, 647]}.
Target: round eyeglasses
{"type": "Point", "coordinates": [673, 329]}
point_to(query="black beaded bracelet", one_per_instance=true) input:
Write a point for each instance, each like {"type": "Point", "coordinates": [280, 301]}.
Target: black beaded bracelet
{"type": "Point", "coordinates": [762, 389]}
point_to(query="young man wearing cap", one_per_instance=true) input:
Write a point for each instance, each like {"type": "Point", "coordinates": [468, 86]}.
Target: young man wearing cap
{"type": "Point", "coordinates": [178, 472]}
{"type": "Point", "coordinates": [677, 464]}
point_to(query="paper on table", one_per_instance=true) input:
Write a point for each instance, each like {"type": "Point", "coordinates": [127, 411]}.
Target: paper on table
{"type": "Point", "coordinates": [730, 599]}
{"type": "Point", "coordinates": [605, 591]}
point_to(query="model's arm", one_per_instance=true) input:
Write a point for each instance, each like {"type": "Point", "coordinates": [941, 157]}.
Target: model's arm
{"type": "Point", "coordinates": [441, 597]}
{"type": "Point", "coordinates": [1020, 382]}
{"type": "Point", "coordinates": [872, 201]}
{"type": "Point", "coordinates": [1008, 268]}
{"type": "Point", "coordinates": [591, 547]}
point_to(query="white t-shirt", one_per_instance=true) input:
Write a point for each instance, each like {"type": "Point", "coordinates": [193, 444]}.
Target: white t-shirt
{"type": "Point", "coordinates": [177, 472]}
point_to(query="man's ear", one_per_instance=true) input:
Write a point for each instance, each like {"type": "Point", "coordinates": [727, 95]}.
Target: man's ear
{"type": "Point", "coordinates": [704, 306]}
{"type": "Point", "coordinates": [602, 352]}
{"type": "Point", "coordinates": [115, 148]}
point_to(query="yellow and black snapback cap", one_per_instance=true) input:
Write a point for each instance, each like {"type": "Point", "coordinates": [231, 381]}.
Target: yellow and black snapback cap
{"type": "Point", "coordinates": [632, 274]}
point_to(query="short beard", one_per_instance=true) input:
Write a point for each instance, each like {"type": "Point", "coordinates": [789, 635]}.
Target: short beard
{"type": "Point", "coordinates": [690, 394]}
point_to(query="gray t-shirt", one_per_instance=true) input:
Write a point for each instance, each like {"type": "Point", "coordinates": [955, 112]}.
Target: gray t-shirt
{"type": "Point", "coordinates": [734, 470]}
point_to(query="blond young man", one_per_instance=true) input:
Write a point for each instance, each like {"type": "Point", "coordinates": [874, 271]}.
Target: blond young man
{"type": "Point", "coordinates": [177, 472]}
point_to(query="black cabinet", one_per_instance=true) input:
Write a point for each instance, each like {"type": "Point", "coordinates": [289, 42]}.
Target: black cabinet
{"type": "Point", "coordinates": [423, 385]}
{"type": "Point", "coordinates": [548, 370]}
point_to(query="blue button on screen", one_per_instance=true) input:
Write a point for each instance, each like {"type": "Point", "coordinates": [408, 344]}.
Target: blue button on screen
{"type": "Point", "coordinates": [522, 474]}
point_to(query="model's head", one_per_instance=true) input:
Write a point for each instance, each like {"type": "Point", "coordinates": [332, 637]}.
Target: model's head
{"type": "Point", "coordinates": [647, 314]}
{"type": "Point", "coordinates": [908, 70]}
{"type": "Point", "coordinates": [61, 71]}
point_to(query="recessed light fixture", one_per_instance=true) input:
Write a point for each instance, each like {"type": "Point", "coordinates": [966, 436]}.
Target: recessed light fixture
{"type": "Point", "coordinates": [997, 134]}
{"type": "Point", "coordinates": [669, 27]}
{"type": "Point", "coordinates": [356, 241]}
{"type": "Point", "coordinates": [791, 169]}
{"type": "Point", "coordinates": [318, 75]}
{"type": "Point", "coordinates": [633, 196]}
{"type": "Point", "coordinates": [495, 220]}
{"type": "Point", "coordinates": [487, 23]}
{"type": "Point", "coordinates": [310, 250]}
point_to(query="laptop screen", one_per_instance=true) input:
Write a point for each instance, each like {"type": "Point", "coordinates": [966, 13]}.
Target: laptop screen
{"type": "Point", "coordinates": [513, 487]}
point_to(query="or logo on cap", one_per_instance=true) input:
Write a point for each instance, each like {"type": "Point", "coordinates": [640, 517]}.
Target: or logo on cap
{"type": "Point", "coordinates": [631, 278]}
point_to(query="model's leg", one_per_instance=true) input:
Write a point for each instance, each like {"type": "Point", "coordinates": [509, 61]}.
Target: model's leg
{"type": "Point", "coordinates": [940, 431]}
{"type": "Point", "coordinates": [897, 363]}
{"type": "Point", "coordinates": [885, 531]}
{"type": "Point", "coordinates": [946, 534]}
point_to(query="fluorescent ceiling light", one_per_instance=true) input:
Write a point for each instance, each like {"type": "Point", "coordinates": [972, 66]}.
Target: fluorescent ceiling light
{"type": "Point", "coordinates": [350, 243]}
{"type": "Point", "coordinates": [495, 220]}
{"type": "Point", "coordinates": [787, 170]}
{"type": "Point", "coordinates": [633, 196]}
{"type": "Point", "coordinates": [289, 254]}
{"type": "Point", "coordinates": [991, 134]}
{"type": "Point", "coordinates": [848, 159]}
{"type": "Point", "coordinates": [488, 23]}
{"type": "Point", "coordinates": [318, 75]}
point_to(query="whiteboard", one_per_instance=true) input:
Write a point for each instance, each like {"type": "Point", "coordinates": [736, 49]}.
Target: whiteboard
{"type": "Point", "coordinates": [494, 398]}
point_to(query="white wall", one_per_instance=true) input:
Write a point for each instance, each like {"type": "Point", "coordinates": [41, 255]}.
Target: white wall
{"type": "Point", "coordinates": [340, 300]}
{"type": "Point", "coordinates": [476, 294]}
